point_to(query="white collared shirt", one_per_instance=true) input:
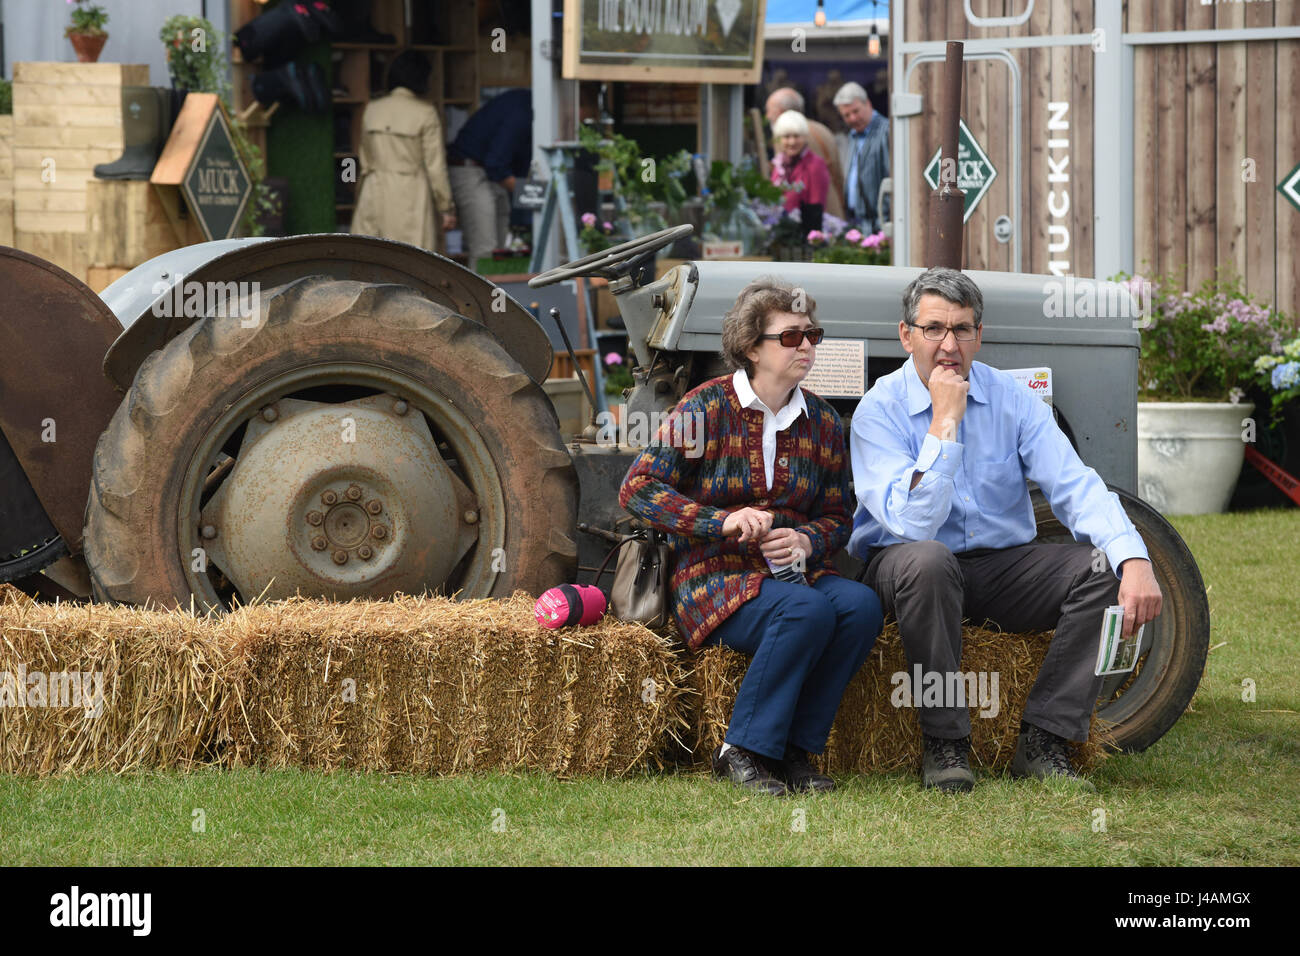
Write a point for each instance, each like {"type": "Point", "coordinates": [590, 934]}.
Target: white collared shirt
{"type": "Point", "coordinates": [773, 422]}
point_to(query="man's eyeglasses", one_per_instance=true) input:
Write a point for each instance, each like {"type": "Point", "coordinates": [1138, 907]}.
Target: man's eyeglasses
{"type": "Point", "coordinates": [791, 338]}
{"type": "Point", "coordinates": [937, 333]}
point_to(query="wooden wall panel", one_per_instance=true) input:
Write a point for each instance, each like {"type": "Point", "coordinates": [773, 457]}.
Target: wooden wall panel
{"type": "Point", "coordinates": [1287, 250]}
{"type": "Point", "coordinates": [1260, 145]}
{"type": "Point", "coordinates": [1199, 110]}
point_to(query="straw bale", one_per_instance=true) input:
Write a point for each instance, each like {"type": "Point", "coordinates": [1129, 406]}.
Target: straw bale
{"type": "Point", "coordinates": [870, 734]}
{"type": "Point", "coordinates": [444, 687]}
{"type": "Point", "coordinates": [105, 689]}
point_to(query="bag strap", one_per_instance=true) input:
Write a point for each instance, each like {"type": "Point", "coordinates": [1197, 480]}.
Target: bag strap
{"type": "Point", "coordinates": [604, 565]}
{"type": "Point", "coordinates": [651, 535]}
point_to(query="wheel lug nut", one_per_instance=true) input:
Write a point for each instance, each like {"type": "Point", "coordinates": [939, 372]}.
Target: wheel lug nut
{"type": "Point", "coordinates": [354, 492]}
{"type": "Point", "coordinates": [340, 557]}
{"type": "Point", "coordinates": [329, 497]}
{"type": "Point", "coordinates": [378, 531]}
{"type": "Point", "coordinates": [314, 517]}
{"type": "Point", "coordinates": [471, 517]}
{"type": "Point", "coordinates": [364, 552]}
{"type": "Point", "coordinates": [400, 407]}
{"type": "Point", "coordinates": [269, 413]}
{"type": "Point", "coordinates": [318, 543]}
{"type": "Point", "coordinates": [374, 506]}
{"type": "Point", "coordinates": [209, 532]}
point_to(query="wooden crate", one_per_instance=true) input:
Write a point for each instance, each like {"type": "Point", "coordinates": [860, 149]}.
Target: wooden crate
{"type": "Point", "coordinates": [6, 181]}
{"type": "Point", "coordinates": [128, 224]}
{"type": "Point", "coordinates": [67, 119]}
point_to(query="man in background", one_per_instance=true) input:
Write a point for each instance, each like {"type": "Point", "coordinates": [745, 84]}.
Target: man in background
{"type": "Point", "coordinates": [493, 149]}
{"type": "Point", "coordinates": [866, 157]}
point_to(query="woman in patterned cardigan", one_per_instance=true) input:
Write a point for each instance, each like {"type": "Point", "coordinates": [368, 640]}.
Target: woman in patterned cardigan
{"type": "Point", "coordinates": [754, 509]}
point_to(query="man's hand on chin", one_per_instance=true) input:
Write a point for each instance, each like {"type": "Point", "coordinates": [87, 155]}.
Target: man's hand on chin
{"type": "Point", "coordinates": [1139, 593]}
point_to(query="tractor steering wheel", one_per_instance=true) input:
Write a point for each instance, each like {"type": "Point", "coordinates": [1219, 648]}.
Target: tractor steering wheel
{"type": "Point", "coordinates": [606, 263]}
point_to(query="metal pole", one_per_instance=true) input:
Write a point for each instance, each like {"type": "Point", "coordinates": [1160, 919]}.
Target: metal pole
{"type": "Point", "coordinates": [947, 203]}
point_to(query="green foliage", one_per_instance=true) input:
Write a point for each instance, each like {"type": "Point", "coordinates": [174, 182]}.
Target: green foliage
{"type": "Point", "coordinates": [729, 186]}
{"type": "Point", "coordinates": [6, 97]}
{"type": "Point", "coordinates": [1203, 344]}
{"type": "Point", "coordinates": [194, 54]}
{"type": "Point", "coordinates": [851, 248]}
{"type": "Point", "coordinates": [595, 237]}
{"type": "Point", "coordinates": [1280, 374]}
{"type": "Point", "coordinates": [196, 61]}
{"type": "Point", "coordinates": [87, 18]}
{"type": "Point", "coordinates": [618, 373]}
{"type": "Point", "coordinates": [639, 180]}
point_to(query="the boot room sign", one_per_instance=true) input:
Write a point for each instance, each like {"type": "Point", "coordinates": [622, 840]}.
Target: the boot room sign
{"type": "Point", "coordinates": [200, 165]}
{"type": "Point", "coordinates": [687, 41]}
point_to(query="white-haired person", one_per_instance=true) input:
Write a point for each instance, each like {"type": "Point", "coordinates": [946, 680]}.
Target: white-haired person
{"type": "Point", "coordinates": [798, 167]}
{"type": "Point", "coordinates": [754, 511]}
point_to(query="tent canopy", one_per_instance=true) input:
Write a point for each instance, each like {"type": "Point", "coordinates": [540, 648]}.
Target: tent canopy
{"type": "Point", "coordinates": [837, 11]}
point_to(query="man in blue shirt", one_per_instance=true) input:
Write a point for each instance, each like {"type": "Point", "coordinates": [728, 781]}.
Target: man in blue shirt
{"type": "Point", "coordinates": [492, 150]}
{"type": "Point", "coordinates": [866, 159]}
{"type": "Point", "coordinates": [941, 449]}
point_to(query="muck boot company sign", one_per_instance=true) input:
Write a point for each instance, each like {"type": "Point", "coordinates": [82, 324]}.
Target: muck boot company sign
{"type": "Point", "coordinates": [201, 159]}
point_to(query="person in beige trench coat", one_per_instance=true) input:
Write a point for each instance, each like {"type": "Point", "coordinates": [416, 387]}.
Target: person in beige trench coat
{"type": "Point", "coordinates": [403, 161]}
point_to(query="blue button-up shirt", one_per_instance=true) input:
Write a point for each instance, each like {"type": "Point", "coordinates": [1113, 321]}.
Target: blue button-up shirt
{"type": "Point", "coordinates": [972, 492]}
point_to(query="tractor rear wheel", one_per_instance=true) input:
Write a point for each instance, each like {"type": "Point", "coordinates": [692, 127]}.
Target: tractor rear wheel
{"type": "Point", "coordinates": [1141, 706]}
{"type": "Point", "coordinates": [347, 439]}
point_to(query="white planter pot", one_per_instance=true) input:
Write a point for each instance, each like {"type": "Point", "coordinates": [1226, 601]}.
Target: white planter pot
{"type": "Point", "coordinates": [1190, 454]}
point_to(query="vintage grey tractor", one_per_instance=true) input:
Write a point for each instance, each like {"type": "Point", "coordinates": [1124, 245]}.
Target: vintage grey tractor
{"type": "Point", "coordinates": [343, 416]}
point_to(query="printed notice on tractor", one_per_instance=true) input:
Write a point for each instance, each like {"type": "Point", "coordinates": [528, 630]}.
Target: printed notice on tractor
{"type": "Point", "coordinates": [1115, 654]}
{"type": "Point", "coordinates": [1037, 380]}
{"type": "Point", "coordinates": [840, 370]}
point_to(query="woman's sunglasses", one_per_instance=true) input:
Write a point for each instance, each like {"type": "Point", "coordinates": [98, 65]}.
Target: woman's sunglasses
{"type": "Point", "coordinates": [791, 338]}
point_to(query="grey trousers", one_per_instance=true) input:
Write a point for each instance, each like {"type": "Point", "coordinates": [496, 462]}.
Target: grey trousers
{"type": "Point", "coordinates": [1032, 587]}
{"type": "Point", "coordinates": [483, 210]}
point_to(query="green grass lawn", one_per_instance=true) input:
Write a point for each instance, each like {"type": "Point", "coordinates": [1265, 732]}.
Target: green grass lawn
{"type": "Point", "coordinates": [1221, 788]}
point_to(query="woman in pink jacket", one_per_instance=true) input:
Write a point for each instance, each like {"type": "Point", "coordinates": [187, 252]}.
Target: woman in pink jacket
{"type": "Point", "coordinates": [797, 166]}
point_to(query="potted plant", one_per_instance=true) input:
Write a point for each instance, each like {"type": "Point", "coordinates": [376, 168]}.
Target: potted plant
{"type": "Point", "coordinates": [645, 188]}
{"type": "Point", "coordinates": [729, 196]}
{"type": "Point", "coordinates": [595, 238]}
{"type": "Point", "coordinates": [1198, 353]}
{"type": "Point", "coordinates": [86, 31]}
{"type": "Point", "coordinates": [196, 54]}
{"type": "Point", "coordinates": [1279, 374]}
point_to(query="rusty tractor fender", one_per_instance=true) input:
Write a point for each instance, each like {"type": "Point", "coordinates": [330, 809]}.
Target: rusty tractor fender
{"type": "Point", "coordinates": [137, 299]}
{"type": "Point", "coordinates": [54, 403]}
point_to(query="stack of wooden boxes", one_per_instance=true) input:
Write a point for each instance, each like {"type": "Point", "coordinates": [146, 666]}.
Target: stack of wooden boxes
{"type": "Point", "coordinates": [67, 118]}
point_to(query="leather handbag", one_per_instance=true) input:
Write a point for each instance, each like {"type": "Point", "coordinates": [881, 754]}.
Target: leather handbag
{"type": "Point", "coordinates": [640, 590]}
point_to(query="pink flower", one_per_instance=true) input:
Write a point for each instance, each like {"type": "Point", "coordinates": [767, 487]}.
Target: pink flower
{"type": "Point", "coordinates": [613, 358]}
{"type": "Point", "coordinates": [853, 235]}
{"type": "Point", "coordinates": [588, 218]}
{"type": "Point", "coordinates": [607, 226]}
{"type": "Point", "coordinates": [865, 243]}
{"type": "Point", "coordinates": [874, 240]}
{"type": "Point", "coordinates": [816, 235]}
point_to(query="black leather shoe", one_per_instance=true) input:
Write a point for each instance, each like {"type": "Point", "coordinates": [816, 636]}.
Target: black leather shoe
{"type": "Point", "coordinates": [747, 770]}
{"type": "Point", "coordinates": [800, 775]}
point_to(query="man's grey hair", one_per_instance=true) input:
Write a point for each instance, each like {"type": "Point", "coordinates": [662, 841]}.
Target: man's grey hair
{"type": "Point", "coordinates": [788, 99]}
{"type": "Point", "coordinates": [948, 284]}
{"type": "Point", "coordinates": [848, 93]}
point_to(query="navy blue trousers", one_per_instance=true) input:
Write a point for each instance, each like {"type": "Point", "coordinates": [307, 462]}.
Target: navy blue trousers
{"type": "Point", "coordinates": [806, 643]}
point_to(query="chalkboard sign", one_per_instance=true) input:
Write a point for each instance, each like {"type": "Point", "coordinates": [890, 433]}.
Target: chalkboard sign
{"type": "Point", "coordinates": [687, 41]}
{"type": "Point", "coordinates": [530, 194]}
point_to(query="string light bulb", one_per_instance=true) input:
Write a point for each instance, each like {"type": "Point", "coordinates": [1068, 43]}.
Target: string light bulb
{"type": "Point", "coordinates": [819, 18]}
{"type": "Point", "coordinates": [873, 41]}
